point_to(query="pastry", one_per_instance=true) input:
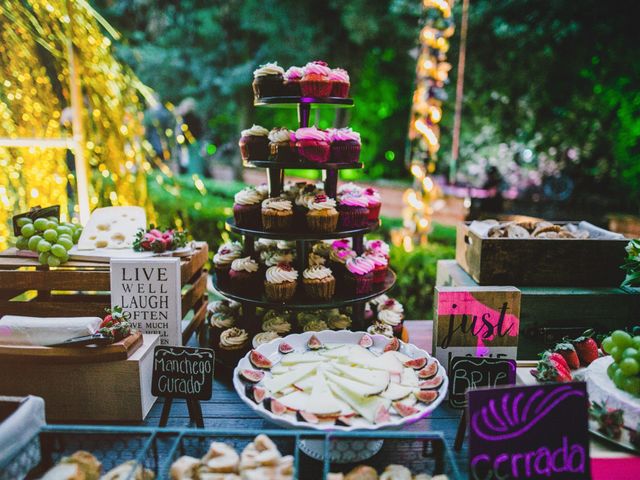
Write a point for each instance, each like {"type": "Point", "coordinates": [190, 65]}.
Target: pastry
{"type": "Point", "coordinates": [254, 143]}
{"type": "Point", "coordinates": [322, 216]}
{"type": "Point", "coordinates": [358, 279]}
{"type": "Point", "coordinates": [315, 326]}
{"type": "Point", "coordinates": [375, 202]}
{"type": "Point", "coordinates": [281, 147]}
{"type": "Point", "coordinates": [340, 83]}
{"type": "Point", "coordinates": [219, 322]}
{"type": "Point", "coordinates": [280, 282]}
{"type": "Point", "coordinates": [353, 210]}
{"type": "Point", "coordinates": [234, 342]}
{"type": "Point", "coordinates": [130, 470]}
{"type": "Point", "coordinates": [319, 283]}
{"type": "Point", "coordinates": [379, 328]}
{"type": "Point", "coordinates": [339, 321]}
{"type": "Point", "coordinates": [221, 458]}
{"type": "Point", "coordinates": [184, 468]}
{"type": "Point", "coordinates": [277, 214]}
{"type": "Point", "coordinates": [337, 262]}
{"type": "Point", "coordinates": [381, 264]}
{"type": "Point", "coordinates": [391, 312]}
{"type": "Point", "coordinates": [244, 276]}
{"type": "Point", "coordinates": [263, 337]}
{"type": "Point", "coordinates": [227, 253]}
{"type": "Point", "coordinates": [268, 81]}
{"type": "Point", "coordinates": [362, 472]}
{"type": "Point", "coordinates": [292, 78]}
{"type": "Point", "coordinates": [312, 144]}
{"type": "Point", "coordinates": [345, 145]}
{"type": "Point", "coordinates": [378, 246]}
{"type": "Point", "coordinates": [315, 81]}
{"type": "Point", "coordinates": [247, 208]}
{"type": "Point", "coordinates": [276, 322]}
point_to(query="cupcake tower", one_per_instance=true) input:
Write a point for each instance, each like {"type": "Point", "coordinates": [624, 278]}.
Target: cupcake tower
{"type": "Point", "coordinates": [304, 246]}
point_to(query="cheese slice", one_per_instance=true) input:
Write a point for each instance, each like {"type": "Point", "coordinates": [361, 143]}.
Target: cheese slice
{"type": "Point", "coordinates": [112, 227]}
{"type": "Point", "coordinates": [18, 330]}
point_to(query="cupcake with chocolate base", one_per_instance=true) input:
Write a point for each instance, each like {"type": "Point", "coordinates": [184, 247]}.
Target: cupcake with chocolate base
{"type": "Point", "coordinates": [340, 83]}
{"type": "Point", "coordinates": [247, 208]}
{"type": "Point", "coordinates": [379, 328]}
{"type": "Point", "coordinates": [315, 81]}
{"type": "Point", "coordinates": [345, 145]}
{"type": "Point", "coordinates": [381, 266]}
{"type": "Point", "coordinates": [244, 276]}
{"type": "Point", "coordinates": [391, 312]}
{"type": "Point", "coordinates": [277, 322]}
{"type": "Point", "coordinates": [218, 323]}
{"type": "Point", "coordinates": [233, 344]}
{"type": "Point", "coordinates": [358, 279]}
{"type": "Point", "coordinates": [319, 283]}
{"type": "Point", "coordinates": [377, 246]}
{"type": "Point", "coordinates": [353, 210]}
{"type": "Point", "coordinates": [314, 259]}
{"type": "Point", "coordinates": [322, 216]}
{"type": "Point", "coordinates": [268, 81]}
{"type": "Point", "coordinates": [375, 202]}
{"type": "Point", "coordinates": [339, 321]}
{"type": "Point", "coordinates": [281, 147]}
{"type": "Point", "coordinates": [292, 78]}
{"type": "Point", "coordinates": [312, 144]}
{"type": "Point", "coordinates": [315, 326]}
{"type": "Point", "coordinates": [254, 143]}
{"type": "Point", "coordinates": [227, 253]}
{"type": "Point", "coordinates": [280, 282]}
{"type": "Point", "coordinates": [338, 261]}
{"type": "Point", "coordinates": [277, 214]}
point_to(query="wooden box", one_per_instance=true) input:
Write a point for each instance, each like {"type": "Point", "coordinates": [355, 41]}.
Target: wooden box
{"type": "Point", "coordinates": [87, 392]}
{"type": "Point", "coordinates": [549, 313]}
{"type": "Point", "coordinates": [540, 262]}
{"type": "Point", "coordinates": [81, 288]}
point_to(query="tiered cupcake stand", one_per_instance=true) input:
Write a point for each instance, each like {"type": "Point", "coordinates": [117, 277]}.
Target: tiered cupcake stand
{"type": "Point", "coordinates": [276, 177]}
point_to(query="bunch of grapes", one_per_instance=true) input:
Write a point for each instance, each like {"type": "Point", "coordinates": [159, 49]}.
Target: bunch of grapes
{"type": "Point", "coordinates": [50, 239]}
{"type": "Point", "coordinates": [625, 369]}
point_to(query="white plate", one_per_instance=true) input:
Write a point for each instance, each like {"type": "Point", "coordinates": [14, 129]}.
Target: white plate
{"type": "Point", "coordinates": [299, 342]}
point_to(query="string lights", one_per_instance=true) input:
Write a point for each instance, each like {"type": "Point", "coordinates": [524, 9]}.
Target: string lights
{"type": "Point", "coordinates": [432, 73]}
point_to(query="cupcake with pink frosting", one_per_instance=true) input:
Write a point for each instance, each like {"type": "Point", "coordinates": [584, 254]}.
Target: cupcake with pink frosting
{"type": "Point", "coordinates": [381, 266]}
{"type": "Point", "coordinates": [345, 145]}
{"type": "Point", "coordinates": [353, 210]}
{"type": "Point", "coordinates": [358, 279]}
{"type": "Point", "coordinates": [292, 79]}
{"type": "Point", "coordinates": [377, 246]}
{"type": "Point", "coordinates": [339, 83]}
{"type": "Point", "coordinates": [312, 144]}
{"type": "Point", "coordinates": [375, 202]}
{"type": "Point", "coordinates": [315, 81]}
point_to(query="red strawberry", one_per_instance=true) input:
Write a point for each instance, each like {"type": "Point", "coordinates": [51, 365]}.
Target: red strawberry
{"type": "Point", "coordinates": [586, 348]}
{"type": "Point", "coordinates": [552, 367]}
{"type": "Point", "coordinates": [156, 233]}
{"type": "Point", "coordinates": [106, 322]}
{"type": "Point", "coordinates": [568, 352]}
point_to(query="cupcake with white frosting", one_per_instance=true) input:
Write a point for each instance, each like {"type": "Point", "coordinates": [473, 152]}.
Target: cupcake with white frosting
{"type": "Point", "coordinates": [234, 342]}
{"type": "Point", "coordinates": [277, 214]}
{"type": "Point", "coordinates": [246, 208]}
{"type": "Point", "coordinates": [391, 313]}
{"type": "Point", "coordinates": [244, 276]}
{"type": "Point", "coordinates": [264, 337]}
{"type": "Point", "coordinates": [268, 81]}
{"type": "Point", "coordinates": [277, 322]}
{"type": "Point", "coordinates": [281, 147]}
{"type": "Point", "coordinates": [226, 254]}
{"type": "Point", "coordinates": [379, 328]}
{"type": "Point", "coordinates": [280, 282]}
{"type": "Point", "coordinates": [254, 143]}
{"type": "Point", "coordinates": [319, 283]}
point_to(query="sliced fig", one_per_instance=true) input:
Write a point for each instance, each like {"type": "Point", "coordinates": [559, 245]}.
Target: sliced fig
{"type": "Point", "coordinates": [253, 376]}
{"type": "Point", "coordinates": [382, 415]}
{"type": "Point", "coordinates": [431, 384]}
{"type": "Point", "coordinates": [403, 409]}
{"type": "Point", "coordinates": [416, 363]}
{"type": "Point", "coordinates": [274, 406]}
{"type": "Point", "coordinates": [343, 421]}
{"type": "Point", "coordinates": [258, 360]}
{"type": "Point", "coordinates": [285, 348]}
{"type": "Point", "coordinates": [314, 343]}
{"type": "Point", "coordinates": [255, 393]}
{"type": "Point", "coordinates": [306, 417]}
{"type": "Point", "coordinates": [429, 371]}
{"type": "Point", "coordinates": [366, 341]}
{"type": "Point", "coordinates": [393, 345]}
{"type": "Point", "coordinates": [426, 396]}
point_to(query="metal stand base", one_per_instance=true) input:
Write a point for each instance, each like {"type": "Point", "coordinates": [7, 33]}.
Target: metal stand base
{"type": "Point", "coordinates": [342, 451]}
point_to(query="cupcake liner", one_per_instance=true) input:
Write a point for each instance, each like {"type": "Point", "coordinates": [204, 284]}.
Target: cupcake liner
{"type": "Point", "coordinates": [222, 276]}
{"type": "Point", "coordinates": [315, 88]}
{"type": "Point", "coordinates": [345, 151]}
{"type": "Point", "coordinates": [299, 216]}
{"type": "Point", "coordinates": [247, 216]}
{"type": "Point", "coordinates": [275, 222]}
{"type": "Point", "coordinates": [244, 282]}
{"type": "Point", "coordinates": [279, 292]}
{"type": "Point", "coordinates": [293, 89]}
{"type": "Point", "coordinates": [340, 89]}
{"type": "Point", "coordinates": [352, 217]}
{"type": "Point", "coordinates": [374, 212]}
{"type": "Point", "coordinates": [230, 358]}
{"type": "Point", "coordinates": [254, 148]}
{"type": "Point", "coordinates": [320, 289]}
{"type": "Point", "coordinates": [268, 86]}
{"type": "Point", "coordinates": [322, 223]}
{"type": "Point", "coordinates": [380, 274]}
{"type": "Point", "coordinates": [358, 284]}
{"type": "Point", "coordinates": [284, 152]}
{"type": "Point", "coordinates": [313, 150]}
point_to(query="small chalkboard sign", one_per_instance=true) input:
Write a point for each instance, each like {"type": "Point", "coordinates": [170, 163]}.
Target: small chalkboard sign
{"type": "Point", "coordinates": [529, 432]}
{"type": "Point", "coordinates": [476, 372]}
{"type": "Point", "coordinates": [182, 372]}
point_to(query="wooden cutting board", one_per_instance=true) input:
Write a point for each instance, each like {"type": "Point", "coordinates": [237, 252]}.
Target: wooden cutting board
{"type": "Point", "coordinates": [88, 354]}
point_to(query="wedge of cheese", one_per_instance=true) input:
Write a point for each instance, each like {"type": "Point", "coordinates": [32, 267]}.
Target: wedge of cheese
{"type": "Point", "coordinates": [112, 227]}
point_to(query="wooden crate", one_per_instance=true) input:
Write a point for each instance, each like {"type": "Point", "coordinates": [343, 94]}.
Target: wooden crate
{"type": "Point", "coordinates": [540, 262]}
{"type": "Point", "coordinates": [82, 288]}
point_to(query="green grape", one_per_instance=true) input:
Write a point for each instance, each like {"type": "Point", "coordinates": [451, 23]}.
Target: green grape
{"type": "Point", "coordinates": [33, 243]}
{"type": "Point", "coordinates": [76, 235]}
{"type": "Point", "coordinates": [53, 261]}
{"type": "Point", "coordinates": [22, 243]}
{"type": "Point", "coordinates": [52, 225]}
{"type": "Point", "coordinates": [22, 221]}
{"type": "Point", "coordinates": [64, 258]}
{"type": "Point", "coordinates": [616, 353]}
{"type": "Point", "coordinates": [41, 224]}
{"type": "Point", "coordinates": [64, 230]}
{"type": "Point", "coordinates": [28, 230]}
{"type": "Point", "coordinates": [66, 242]}
{"type": "Point", "coordinates": [43, 257]}
{"type": "Point", "coordinates": [53, 219]}
{"type": "Point", "coordinates": [68, 225]}
{"type": "Point", "coordinates": [632, 385]}
{"type": "Point", "coordinates": [636, 342]}
{"type": "Point", "coordinates": [611, 370]}
{"type": "Point", "coordinates": [50, 235]}
{"type": "Point", "coordinates": [58, 250]}
{"type": "Point", "coordinates": [630, 353]}
{"type": "Point", "coordinates": [607, 344]}
{"type": "Point", "coordinates": [629, 367]}
{"type": "Point", "coordinates": [619, 378]}
{"type": "Point", "coordinates": [44, 246]}
{"type": "Point", "coordinates": [621, 338]}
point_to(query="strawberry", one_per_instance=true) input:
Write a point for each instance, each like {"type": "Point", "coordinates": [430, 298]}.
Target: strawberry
{"type": "Point", "coordinates": [114, 316]}
{"type": "Point", "coordinates": [106, 322]}
{"type": "Point", "coordinates": [155, 232]}
{"type": "Point", "coordinates": [552, 367]}
{"type": "Point", "coordinates": [586, 348]}
{"type": "Point", "coordinates": [568, 352]}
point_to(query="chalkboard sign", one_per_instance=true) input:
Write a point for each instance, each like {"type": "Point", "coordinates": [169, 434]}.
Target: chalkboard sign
{"type": "Point", "coordinates": [182, 372]}
{"type": "Point", "coordinates": [476, 372]}
{"type": "Point", "coordinates": [531, 432]}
